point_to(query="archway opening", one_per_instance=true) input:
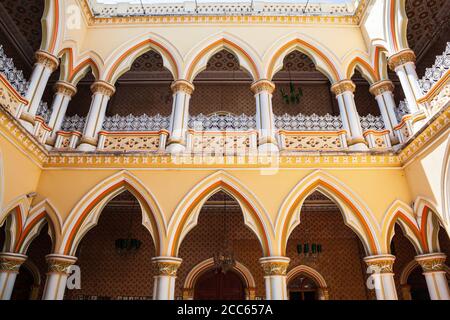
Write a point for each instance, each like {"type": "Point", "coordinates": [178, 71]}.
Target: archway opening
{"type": "Point", "coordinates": [220, 231]}
{"type": "Point", "coordinates": [303, 288]}
{"type": "Point", "coordinates": [325, 243]}
{"type": "Point", "coordinates": [216, 285]}
{"type": "Point", "coordinates": [115, 257]}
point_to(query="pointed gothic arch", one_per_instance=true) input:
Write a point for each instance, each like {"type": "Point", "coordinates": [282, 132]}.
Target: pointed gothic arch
{"type": "Point", "coordinates": [186, 214]}
{"type": "Point", "coordinates": [86, 213]}
{"type": "Point", "coordinates": [355, 213]}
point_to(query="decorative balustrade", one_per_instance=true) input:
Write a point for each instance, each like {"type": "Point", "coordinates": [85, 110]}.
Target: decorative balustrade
{"type": "Point", "coordinates": [132, 141]}
{"type": "Point", "coordinates": [378, 139]}
{"type": "Point", "coordinates": [314, 122]}
{"type": "Point", "coordinates": [13, 75]}
{"type": "Point", "coordinates": [73, 123]}
{"type": "Point", "coordinates": [313, 141]}
{"type": "Point", "coordinates": [136, 123]}
{"type": "Point", "coordinates": [437, 71]}
{"type": "Point", "coordinates": [222, 121]}
{"type": "Point", "coordinates": [371, 122]}
{"type": "Point", "coordinates": [67, 140]}
{"type": "Point", "coordinates": [222, 143]}
{"type": "Point", "coordinates": [10, 98]}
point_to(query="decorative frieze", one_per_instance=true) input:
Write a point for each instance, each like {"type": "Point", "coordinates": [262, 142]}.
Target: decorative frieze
{"type": "Point", "coordinates": [274, 266]}
{"type": "Point", "coordinates": [166, 266]}
{"type": "Point", "coordinates": [65, 88]}
{"type": "Point", "coordinates": [381, 263]}
{"type": "Point", "coordinates": [11, 262]}
{"type": "Point", "coordinates": [401, 58]}
{"type": "Point", "coordinates": [380, 87]}
{"type": "Point", "coordinates": [59, 264]}
{"type": "Point", "coordinates": [312, 141]}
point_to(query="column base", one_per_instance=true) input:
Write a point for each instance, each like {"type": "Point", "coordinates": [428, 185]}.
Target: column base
{"type": "Point", "coordinates": [357, 144]}
{"type": "Point", "coordinates": [86, 147]}
{"type": "Point", "coordinates": [175, 148]}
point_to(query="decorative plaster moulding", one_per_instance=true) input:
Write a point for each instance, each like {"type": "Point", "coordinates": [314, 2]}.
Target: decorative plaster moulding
{"type": "Point", "coordinates": [132, 12]}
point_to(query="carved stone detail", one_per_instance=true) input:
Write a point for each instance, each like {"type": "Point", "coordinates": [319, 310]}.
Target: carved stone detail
{"type": "Point", "coordinates": [59, 264]}
{"type": "Point", "coordinates": [380, 87]}
{"type": "Point", "coordinates": [103, 87]}
{"type": "Point", "coordinates": [183, 86]}
{"type": "Point", "coordinates": [47, 60]}
{"type": "Point", "coordinates": [343, 86]}
{"type": "Point", "coordinates": [262, 85]}
{"type": "Point", "coordinates": [166, 268]}
{"type": "Point", "coordinates": [65, 88]}
{"type": "Point", "coordinates": [381, 263]}
{"type": "Point", "coordinates": [401, 58]}
{"type": "Point", "coordinates": [275, 267]}
{"type": "Point", "coordinates": [432, 262]}
{"type": "Point", "coordinates": [11, 262]}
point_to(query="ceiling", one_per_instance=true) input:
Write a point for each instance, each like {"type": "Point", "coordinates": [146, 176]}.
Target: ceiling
{"type": "Point", "coordinates": [20, 27]}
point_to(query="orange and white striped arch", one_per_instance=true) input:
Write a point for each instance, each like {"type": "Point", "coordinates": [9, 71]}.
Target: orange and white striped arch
{"type": "Point", "coordinates": [197, 58]}
{"type": "Point", "coordinates": [86, 213]}
{"type": "Point", "coordinates": [73, 68]}
{"type": "Point", "coordinates": [185, 216]}
{"type": "Point", "coordinates": [355, 213]}
{"type": "Point", "coordinates": [323, 58]}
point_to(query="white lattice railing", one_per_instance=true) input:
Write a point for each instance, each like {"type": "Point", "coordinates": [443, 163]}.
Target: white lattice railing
{"type": "Point", "coordinates": [136, 123]}
{"type": "Point", "coordinates": [312, 122]}
{"type": "Point", "coordinates": [437, 71]}
{"type": "Point", "coordinates": [371, 122]}
{"type": "Point", "coordinates": [222, 122]}
{"type": "Point", "coordinates": [73, 123]}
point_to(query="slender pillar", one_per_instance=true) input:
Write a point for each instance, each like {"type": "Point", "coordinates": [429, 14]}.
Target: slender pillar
{"type": "Point", "coordinates": [275, 277]}
{"type": "Point", "coordinates": [383, 93]}
{"type": "Point", "coordinates": [9, 269]}
{"type": "Point", "coordinates": [101, 93]}
{"type": "Point", "coordinates": [44, 66]}
{"type": "Point", "coordinates": [350, 118]}
{"type": "Point", "coordinates": [403, 63]}
{"type": "Point", "coordinates": [64, 92]}
{"type": "Point", "coordinates": [166, 274]}
{"type": "Point", "coordinates": [382, 276]}
{"type": "Point", "coordinates": [58, 271]}
{"type": "Point", "coordinates": [434, 270]}
{"type": "Point", "coordinates": [265, 122]}
{"type": "Point", "coordinates": [182, 91]}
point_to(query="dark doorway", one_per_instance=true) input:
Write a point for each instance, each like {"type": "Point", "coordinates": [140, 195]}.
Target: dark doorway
{"type": "Point", "coordinates": [302, 288]}
{"type": "Point", "coordinates": [214, 285]}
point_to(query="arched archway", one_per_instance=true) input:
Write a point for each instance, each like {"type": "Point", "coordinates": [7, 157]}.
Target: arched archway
{"type": "Point", "coordinates": [208, 265]}
{"type": "Point", "coordinates": [321, 292]}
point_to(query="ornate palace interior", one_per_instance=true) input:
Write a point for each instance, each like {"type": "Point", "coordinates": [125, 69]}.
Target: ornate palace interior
{"type": "Point", "coordinates": [352, 189]}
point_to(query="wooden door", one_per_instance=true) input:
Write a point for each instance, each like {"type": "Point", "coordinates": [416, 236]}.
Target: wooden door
{"type": "Point", "coordinates": [214, 285]}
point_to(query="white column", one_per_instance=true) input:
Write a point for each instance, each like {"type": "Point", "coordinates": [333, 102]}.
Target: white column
{"type": "Point", "coordinates": [275, 277]}
{"type": "Point", "coordinates": [64, 92]}
{"type": "Point", "coordinates": [9, 269]}
{"type": "Point", "coordinates": [182, 91]}
{"type": "Point", "coordinates": [382, 276]}
{"type": "Point", "coordinates": [265, 122]}
{"type": "Point", "coordinates": [350, 118]}
{"type": "Point", "coordinates": [166, 274]}
{"type": "Point", "coordinates": [403, 63]}
{"type": "Point", "coordinates": [101, 93]}
{"type": "Point", "coordinates": [434, 270]}
{"type": "Point", "coordinates": [58, 271]}
{"type": "Point", "coordinates": [43, 68]}
{"type": "Point", "coordinates": [383, 93]}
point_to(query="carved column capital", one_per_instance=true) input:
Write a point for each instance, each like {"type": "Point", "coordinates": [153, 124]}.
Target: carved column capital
{"type": "Point", "coordinates": [381, 264]}
{"type": "Point", "coordinates": [166, 266]}
{"type": "Point", "coordinates": [65, 88]}
{"type": "Point", "coordinates": [381, 86]}
{"type": "Point", "coordinates": [59, 263]}
{"type": "Point", "coordinates": [400, 58]}
{"type": "Point", "coordinates": [342, 86]}
{"type": "Point", "coordinates": [274, 266]}
{"type": "Point", "coordinates": [432, 262]}
{"type": "Point", "coordinates": [11, 262]}
{"type": "Point", "coordinates": [47, 60]}
{"type": "Point", "coordinates": [263, 85]}
{"type": "Point", "coordinates": [103, 87]}
{"type": "Point", "coordinates": [183, 86]}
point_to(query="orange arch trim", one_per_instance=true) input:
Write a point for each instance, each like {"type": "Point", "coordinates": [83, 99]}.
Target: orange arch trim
{"type": "Point", "coordinates": [56, 27]}
{"type": "Point", "coordinates": [73, 71]}
{"type": "Point", "coordinates": [343, 198]}
{"type": "Point", "coordinates": [139, 46]}
{"type": "Point", "coordinates": [27, 230]}
{"type": "Point", "coordinates": [375, 73]}
{"type": "Point", "coordinates": [215, 44]}
{"type": "Point", "coordinates": [417, 232]}
{"type": "Point", "coordinates": [225, 186]}
{"type": "Point", "coordinates": [97, 200]}
{"type": "Point", "coordinates": [306, 44]}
